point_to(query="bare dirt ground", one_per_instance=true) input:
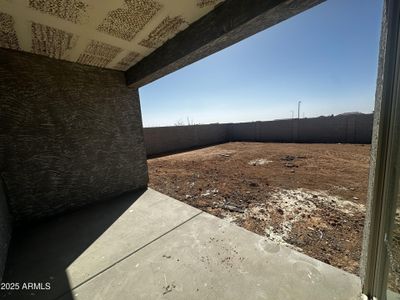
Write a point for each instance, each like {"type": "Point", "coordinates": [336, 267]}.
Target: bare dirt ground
{"type": "Point", "coordinates": [310, 197]}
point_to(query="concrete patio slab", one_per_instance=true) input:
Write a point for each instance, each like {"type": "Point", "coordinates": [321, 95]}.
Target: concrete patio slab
{"type": "Point", "coordinates": [392, 295]}
{"type": "Point", "coordinates": [209, 258]}
{"type": "Point", "coordinates": [70, 249]}
{"type": "Point", "coordinates": [159, 248]}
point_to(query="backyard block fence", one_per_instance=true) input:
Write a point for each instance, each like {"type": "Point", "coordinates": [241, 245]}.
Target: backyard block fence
{"type": "Point", "coordinates": [353, 128]}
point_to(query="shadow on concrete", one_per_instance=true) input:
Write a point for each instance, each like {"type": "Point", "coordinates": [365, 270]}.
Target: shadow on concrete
{"type": "Point", "coordinates": [41, 253]}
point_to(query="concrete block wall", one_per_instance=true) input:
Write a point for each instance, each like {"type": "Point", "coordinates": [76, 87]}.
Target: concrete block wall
{"type": "Point", "coordinates": [160, 140]}
{"type": "Point", "coordinates": [325, 130]}
{"type": "Point", "coordinates": [70, 135]}
{"type": "Point", "coordinates": [273, 131]}
{"type": "Point", "coordinates": [339, 129]}
{"type": "Point", "coordinates": [363, 128]}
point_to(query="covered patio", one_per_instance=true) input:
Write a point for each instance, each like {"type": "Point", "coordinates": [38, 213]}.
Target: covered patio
{"type": "Point", "coordinates": [77, 220]}
{"type": "Point", "coordinates": [145, 245]}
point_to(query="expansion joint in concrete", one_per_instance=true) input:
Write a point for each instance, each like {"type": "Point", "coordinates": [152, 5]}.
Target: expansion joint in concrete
{"type": "Point", "coordinates": [128, 255]}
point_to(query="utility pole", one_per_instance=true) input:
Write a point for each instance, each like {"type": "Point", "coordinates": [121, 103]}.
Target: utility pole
{"type": "Point", "coordinates": [298, 110]}
{"type": "Point", "coordinates": [292, 113]}
{"type": "Point", "coordinates": [298, 121]}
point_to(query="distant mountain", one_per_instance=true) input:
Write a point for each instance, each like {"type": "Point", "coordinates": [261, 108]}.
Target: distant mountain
{"type": "Point", "coordinates": [351, 113]}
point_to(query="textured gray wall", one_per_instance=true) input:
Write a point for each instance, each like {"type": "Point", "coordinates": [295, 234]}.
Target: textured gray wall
{"type": "Point", "coordinates": [5, 229]}
{"type": "Point", "coordinates": [70, 135]}
{"type": "Point", "coordinates": [339, 129]}
{"type": "Point", "coordinates": [160, 140]}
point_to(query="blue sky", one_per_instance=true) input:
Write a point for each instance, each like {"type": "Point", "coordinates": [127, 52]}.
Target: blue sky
{"type": "Point", "coordinates": [326, 57]}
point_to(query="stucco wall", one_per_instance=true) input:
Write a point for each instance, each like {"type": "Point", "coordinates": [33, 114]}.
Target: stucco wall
{"type": "Point", "coordinates": [70, 135]}
{"type": "Point", "coordinates": [5, 229]}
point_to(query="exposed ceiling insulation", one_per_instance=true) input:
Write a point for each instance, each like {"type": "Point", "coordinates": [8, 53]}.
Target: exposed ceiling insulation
{"type": "Point", "coordinates": [114, 34]}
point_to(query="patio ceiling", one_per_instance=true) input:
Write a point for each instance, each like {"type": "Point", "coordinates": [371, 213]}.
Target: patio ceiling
{"type": "Point", "coordinates": [113, 34]}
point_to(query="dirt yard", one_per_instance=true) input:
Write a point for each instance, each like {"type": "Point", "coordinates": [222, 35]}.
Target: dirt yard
{"type": "Point", "coordinates": [310, 197]}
